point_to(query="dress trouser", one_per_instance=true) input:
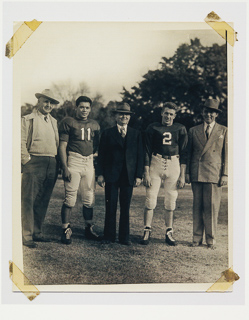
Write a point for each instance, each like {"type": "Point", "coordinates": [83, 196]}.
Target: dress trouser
{"type": "Point", "coordinates": [38, 180]}
{"type": "Point", "coordinates": [111, 199]}
{"type": "Point", "coordinates": [206, 205]}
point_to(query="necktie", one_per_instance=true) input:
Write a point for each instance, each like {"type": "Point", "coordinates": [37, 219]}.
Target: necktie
{"type": "Point", "coordinates": [122, 131]}
{"type": "Point", "coordinates": [208, 131]}
{"type": "Point", "coordinates": [46, 118]}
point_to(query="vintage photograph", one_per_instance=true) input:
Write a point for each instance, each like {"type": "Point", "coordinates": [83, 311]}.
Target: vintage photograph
{"type": "Point", "coordinates": [122, 156]}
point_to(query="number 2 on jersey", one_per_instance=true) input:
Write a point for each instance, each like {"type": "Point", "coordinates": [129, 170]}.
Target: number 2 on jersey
{"type": "Point", "coordinates": [88, 133]}
{"type": "Point", "coordinates": [167, 139]}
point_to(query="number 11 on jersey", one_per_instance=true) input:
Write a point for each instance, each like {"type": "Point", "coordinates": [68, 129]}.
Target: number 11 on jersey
{"type": "Point", "coordinates": [88, 133]}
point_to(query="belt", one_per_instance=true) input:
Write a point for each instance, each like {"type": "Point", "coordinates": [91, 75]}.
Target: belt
{"type": "Point", "coordinates": [165, 156]}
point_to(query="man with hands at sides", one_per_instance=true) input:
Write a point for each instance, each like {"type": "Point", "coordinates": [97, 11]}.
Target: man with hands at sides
{"type": "Point", "coordinates": [207, 170]}
{"type": "Point", "coordinates": [120, 165]}
{"type": "Point", "coordinates": [165, 159]}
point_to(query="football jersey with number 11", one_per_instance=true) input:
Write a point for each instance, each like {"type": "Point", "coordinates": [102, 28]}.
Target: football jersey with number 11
{"type": "Point", "coordinates": [82, 136]}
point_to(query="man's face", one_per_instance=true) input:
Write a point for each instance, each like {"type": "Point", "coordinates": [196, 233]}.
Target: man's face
{"type": "Point", "coordinates": [122, 118]}
{"type": "Point", "coordinates": [209, 115]}
{"type": "Point", "coordinates": [83, 110]}
{"type": "Point", "coordinates": [168, 116]}
{"type": "Point", "coordinates": [45, 105]}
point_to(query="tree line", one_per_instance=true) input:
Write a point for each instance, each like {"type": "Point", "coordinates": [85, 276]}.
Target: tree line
{"type": "Point", "coordinates": [188, 78]}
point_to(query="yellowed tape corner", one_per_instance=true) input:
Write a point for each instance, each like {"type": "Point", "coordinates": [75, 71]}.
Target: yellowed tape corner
{"type": "Point", "coordinates": [20, 37]}
{"type": "Point", "coordinates": [22, 282]}
{"type": "Point", "coordinates": [226, 280]}
{"type": "Point", "coordinates": [221, 27]}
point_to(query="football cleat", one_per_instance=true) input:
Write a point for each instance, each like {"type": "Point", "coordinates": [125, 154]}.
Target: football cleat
{"type": "Point", "coordinates": [66, 235]}
{"type": "Point", "coordinates": [146, 237]}
{"type": "Point", "coordinates": [169, 238]}
{"type": "Point", "coordinates": [90, 234]}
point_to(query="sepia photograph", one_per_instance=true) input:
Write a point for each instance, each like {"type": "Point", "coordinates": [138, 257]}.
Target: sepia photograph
{"type": "Point", "coordinates": [124, 154]}
{"type": "Point", "coordinates": [123, 147]}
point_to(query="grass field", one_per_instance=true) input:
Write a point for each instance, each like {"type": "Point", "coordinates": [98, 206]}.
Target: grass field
{"type": "Point", "coordinates": [90, 262]}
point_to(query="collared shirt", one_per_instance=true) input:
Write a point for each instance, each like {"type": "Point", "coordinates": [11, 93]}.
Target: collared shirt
{"type": "Point", "coordinates": [119, 128]}
{"type": "Point", "coordinates": [45, 117]}
{"type": "Point", "coordinates": [211, 125]}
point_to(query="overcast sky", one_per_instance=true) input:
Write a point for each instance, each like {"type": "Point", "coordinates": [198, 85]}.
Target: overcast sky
{"type": "Point", "coordinates": [106, 56]}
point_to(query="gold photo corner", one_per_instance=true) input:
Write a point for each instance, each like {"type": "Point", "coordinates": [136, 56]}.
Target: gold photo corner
{"type": "Point", "coordinates": [22, 282]}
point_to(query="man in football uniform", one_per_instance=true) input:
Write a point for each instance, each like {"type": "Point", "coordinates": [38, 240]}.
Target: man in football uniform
{"type": "Point", "coordinates": [79, 139]}
{"type": "Point", "coordinates": [165, 159]}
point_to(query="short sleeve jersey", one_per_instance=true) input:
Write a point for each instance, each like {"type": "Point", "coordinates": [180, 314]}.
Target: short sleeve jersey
{"type": "Point", "coordinates": [166, 140]}
{"type": "Point", "coordinates": [82, 136]}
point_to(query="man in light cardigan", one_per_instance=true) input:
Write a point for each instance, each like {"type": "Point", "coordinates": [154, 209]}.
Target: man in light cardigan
{"type": "Point", "coordinates": [207, 170]}
{"type": "Point", "coordinates": [39, 143]}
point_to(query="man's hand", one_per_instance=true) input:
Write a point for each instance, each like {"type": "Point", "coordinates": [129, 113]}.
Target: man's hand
{"type": "Point", "coordinates": [223, 181]}
{"type": "Point", "coordinates": [181, 182]}
{"type": "Point", "coordinates": [147, 180]}
{"type": "Point", "coordinates": [66, 175]}
{"type": "Point", "coordinates": [187, 178]}
{"type": "Point", "coordinates": [101, 181]}
{"type": "Point", "coordinates": [137, 182]}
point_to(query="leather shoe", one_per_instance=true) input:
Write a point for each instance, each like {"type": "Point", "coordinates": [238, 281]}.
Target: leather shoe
{"type": "Point", "coordinates": [196, 244]}
{"type": "Point", "coordinates": [30, 244]}
{"type": "Point", "coordinates": [106, 241]}
{"type": "Point", "coordinates": [41, 239]}
{"type": "Point", "coordinates": [125, 243]}
{"type": "Point", "coordinates": [211, 246]}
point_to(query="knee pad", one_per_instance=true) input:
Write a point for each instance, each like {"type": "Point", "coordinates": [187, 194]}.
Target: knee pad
{"type": "Point", "coordinates": [70, 200]}
{"type": "Point", "coordinates": [150, 204]}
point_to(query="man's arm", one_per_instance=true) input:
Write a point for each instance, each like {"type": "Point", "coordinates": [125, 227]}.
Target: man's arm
{"type": "Point", "coordinates": [147, 179]}
{"type": "Point", "coordinates": [224, 177]}
{"type": "Point", "coordinates": [181, 179]}
{"type": "Point", "coordinates": [25, 156]}
{"type": "Point", "coordinates": [189, 154]}
{"type": "Point", "coordinates": [100, 161]}
{"type": "Point", "coordinates": [183, 142]}
{"type": "Point", "coordinates": [63, 158]}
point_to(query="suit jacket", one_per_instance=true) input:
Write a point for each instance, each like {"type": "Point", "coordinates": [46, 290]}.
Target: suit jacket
{"type": "Point", "coordinates": [115, 152]}
{"type": "Point", "coordinates": [207, 159]}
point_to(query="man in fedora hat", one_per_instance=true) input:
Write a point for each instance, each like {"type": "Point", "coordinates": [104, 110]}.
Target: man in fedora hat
{"type": "Point", "coordinates": [39, 143]}
{"type": "Point", "coordinates": [120, 165]}
{"type": "Point", "coordinates": [207, 170]}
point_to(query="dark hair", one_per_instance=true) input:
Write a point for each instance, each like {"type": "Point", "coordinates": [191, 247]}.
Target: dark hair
{"type": "Point", "coordinates": [83, 99]}
{"type": "Point", "coordinates": [170, 105]}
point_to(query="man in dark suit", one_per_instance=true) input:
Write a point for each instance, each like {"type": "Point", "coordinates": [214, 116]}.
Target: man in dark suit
{"type": "Point", "coordinates": [207, 170]}
{"type": "Point", "coordinates": [120, 165]}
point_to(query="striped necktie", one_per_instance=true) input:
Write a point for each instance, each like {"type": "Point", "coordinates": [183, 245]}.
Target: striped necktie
{"type": "Point", "coordinates": [208, 131]}
{"type": "Point", "coordinates": [122, 131]}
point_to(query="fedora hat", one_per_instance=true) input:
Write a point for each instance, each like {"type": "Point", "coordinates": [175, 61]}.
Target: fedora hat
{"type": "Point", "coordinates": [123, 108]}
{"type": "Point", "coordinates": [47, 93]}
{"type": "Point", "coordinates": [212, 104]}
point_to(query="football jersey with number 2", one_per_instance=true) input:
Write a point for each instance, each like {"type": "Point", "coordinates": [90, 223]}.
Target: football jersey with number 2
{"type": "Point", "coordinates": [166, 140]}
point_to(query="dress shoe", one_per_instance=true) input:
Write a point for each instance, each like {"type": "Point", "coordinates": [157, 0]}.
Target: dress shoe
{"type": "Point", "coordinates": [125, 243]}
{"type": "Point", "coordinates": [41, 239]}
{"type": "Point", "coordinates": [106, 241]}
{"type": "Point", "coordinates": [211, 246]}
{"type": "Point", "coordinates": [30, 244]}
{"type": "Point", "coordinates": [196, 243]}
